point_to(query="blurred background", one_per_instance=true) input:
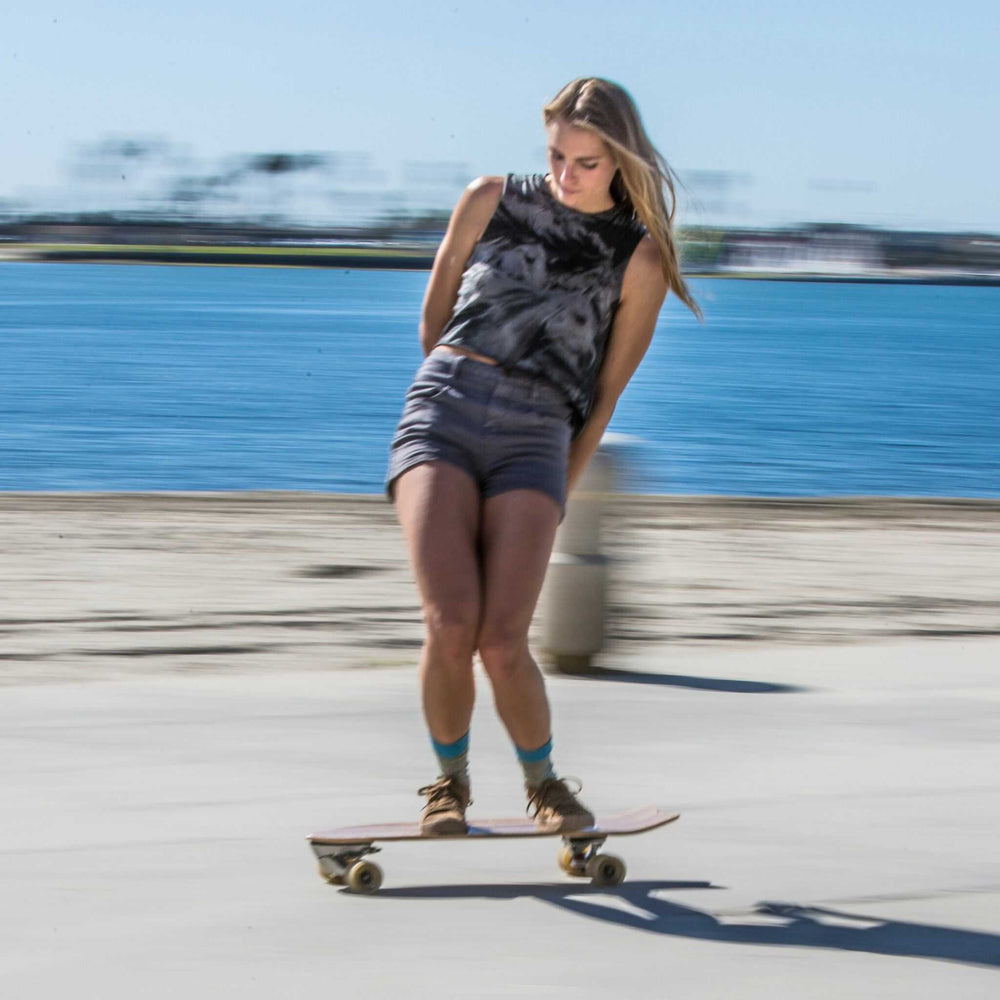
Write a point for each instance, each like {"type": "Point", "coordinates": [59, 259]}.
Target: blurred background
{"type": "Point", "coordinates": [848, 151]}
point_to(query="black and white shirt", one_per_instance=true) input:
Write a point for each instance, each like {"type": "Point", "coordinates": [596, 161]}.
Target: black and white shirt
{"type": "Point", "coordinates": [539, 292]}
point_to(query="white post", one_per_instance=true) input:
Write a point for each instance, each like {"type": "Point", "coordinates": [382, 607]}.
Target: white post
{"type": "Point", "coordinates": [574, 596]}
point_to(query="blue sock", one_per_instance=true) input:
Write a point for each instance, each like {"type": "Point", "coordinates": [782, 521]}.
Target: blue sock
{"type": "Point", "coordinates": [536, 764]}
{"type": "Point", "coordinates": [453, 758]}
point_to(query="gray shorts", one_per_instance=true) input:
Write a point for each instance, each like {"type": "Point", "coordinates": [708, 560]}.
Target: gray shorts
{"type": "Point", "coordinates": [508, 431]}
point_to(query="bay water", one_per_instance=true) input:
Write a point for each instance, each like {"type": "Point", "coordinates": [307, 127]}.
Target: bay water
{"type": "Point", "coordinates": [133, 377]}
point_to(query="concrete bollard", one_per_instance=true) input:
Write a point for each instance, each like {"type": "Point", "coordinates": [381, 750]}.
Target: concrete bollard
{"type": "Point", "coordinates": [574, 597]}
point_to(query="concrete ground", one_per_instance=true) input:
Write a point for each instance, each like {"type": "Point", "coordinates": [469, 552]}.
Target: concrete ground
{"type": "Point", "coordinates": [838, 836]}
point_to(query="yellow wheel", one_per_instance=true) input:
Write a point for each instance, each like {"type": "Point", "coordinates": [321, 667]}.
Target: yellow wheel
{"type": "Point", "coordinates": [568, 865]}
{"type": "Point", "coordinates": [606, 869]}
{"type": "Point", "coordinates": [364, 877]}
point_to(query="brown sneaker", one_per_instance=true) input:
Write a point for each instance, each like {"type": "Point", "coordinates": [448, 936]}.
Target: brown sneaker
{"type": "Point", "coordinates": [557, 810]}
{"type": "Point", "coordinates": [444, 813]}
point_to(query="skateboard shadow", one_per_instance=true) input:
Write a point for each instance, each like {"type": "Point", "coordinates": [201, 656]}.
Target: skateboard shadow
{"type": "Point", "coordinates": [682, 680]}
{"type": "Point", "coordinates": [767, 923]}
{"type": "Point", "coordinates": [551, 892]}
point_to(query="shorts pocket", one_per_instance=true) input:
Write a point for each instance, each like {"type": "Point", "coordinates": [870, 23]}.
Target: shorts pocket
{"type": "Point", "coordinates": [426, 390]}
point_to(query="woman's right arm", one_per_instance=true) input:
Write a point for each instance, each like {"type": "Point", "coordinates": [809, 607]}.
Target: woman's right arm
{"type": "Point", "coordinates": [468, 222]}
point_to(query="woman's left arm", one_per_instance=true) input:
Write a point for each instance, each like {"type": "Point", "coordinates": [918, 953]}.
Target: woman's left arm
{"type": "Point", "coordinates": [643, 291]}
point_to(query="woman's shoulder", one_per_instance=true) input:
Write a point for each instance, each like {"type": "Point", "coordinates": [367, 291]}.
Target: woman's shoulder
{"type": "Point", "coordinates": [488, 187]}
{"type": "Point", "coordinates": [645, 267]}
{"type": "Point", "coordinates": [478, 203]}
{"type": "Point", "coordinates": [482, 196]}
{"type": "Point", "coordinates": [515, 185]}
{"type": "Point", "coordinates": [646, 254]}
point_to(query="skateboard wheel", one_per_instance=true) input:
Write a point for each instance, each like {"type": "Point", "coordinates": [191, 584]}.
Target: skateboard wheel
{"type": "Point", "coordinates": [606, 869]}
{"type": "Point", "coordinates": [569, 864]}
{"type": "Point", "coordinates": [364, 877]}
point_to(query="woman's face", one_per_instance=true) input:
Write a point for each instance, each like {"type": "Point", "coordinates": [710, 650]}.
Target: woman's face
{"type": "Point", "coordinates": [581, 167]}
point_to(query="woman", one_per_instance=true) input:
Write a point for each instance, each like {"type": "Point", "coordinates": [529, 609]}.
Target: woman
{"type": "Point", "coordinates": [541, 304]}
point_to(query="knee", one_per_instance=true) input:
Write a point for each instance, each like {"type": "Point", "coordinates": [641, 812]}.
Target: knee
{"type": "Point", "coordinates": [503, 653]}
{"type": "Point", "coordinates": [451, 633]}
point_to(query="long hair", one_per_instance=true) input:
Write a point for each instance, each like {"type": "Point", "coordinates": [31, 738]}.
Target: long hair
{"type": "Point", "coordinates": [643, 181]}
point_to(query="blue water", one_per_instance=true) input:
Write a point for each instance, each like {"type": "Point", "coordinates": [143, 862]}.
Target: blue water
{"type": "Point", "coordinates": [213, 378]}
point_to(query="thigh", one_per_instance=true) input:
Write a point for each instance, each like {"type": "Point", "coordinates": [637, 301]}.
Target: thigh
{"type": "Point", "coordinates": [518, 530]}
{"type": "Point", "coordinates": [438, 507]}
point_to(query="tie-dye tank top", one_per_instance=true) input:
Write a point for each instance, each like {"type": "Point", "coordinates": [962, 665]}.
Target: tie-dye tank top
{"type": "Point", "coordinates": [539, 292]}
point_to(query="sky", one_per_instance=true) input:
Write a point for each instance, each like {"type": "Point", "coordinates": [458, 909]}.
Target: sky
{"type": "Point", "coordinates": [880, 113]}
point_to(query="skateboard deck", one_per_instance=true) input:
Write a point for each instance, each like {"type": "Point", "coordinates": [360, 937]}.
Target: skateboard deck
{"type": "Point", "coordinates": [341, 852]}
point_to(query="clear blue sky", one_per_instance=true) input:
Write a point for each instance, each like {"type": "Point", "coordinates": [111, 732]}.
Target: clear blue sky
{"type": "Point", "coordinates": [879, 112]}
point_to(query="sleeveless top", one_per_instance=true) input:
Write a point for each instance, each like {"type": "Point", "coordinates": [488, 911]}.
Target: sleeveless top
{"type": "Point", "coordinates": [540, 290]}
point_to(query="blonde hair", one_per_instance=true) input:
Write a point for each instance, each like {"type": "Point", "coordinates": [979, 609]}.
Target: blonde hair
{"type": "Point", "coordinates": [643, 175]}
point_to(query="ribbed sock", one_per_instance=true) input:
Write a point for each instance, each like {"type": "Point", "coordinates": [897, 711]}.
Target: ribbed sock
{"type": "Point", "coordinates": [536, 764]}
{"type": "Point", "coordinates": [453, 758]}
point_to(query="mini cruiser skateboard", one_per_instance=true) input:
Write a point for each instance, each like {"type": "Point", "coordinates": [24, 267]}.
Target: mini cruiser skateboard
{"type": "Point", "coordinates": [342, 853]}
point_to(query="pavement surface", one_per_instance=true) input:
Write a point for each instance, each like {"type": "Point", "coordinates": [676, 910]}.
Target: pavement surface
{"type": "Point", "coordinates": [838, 835]}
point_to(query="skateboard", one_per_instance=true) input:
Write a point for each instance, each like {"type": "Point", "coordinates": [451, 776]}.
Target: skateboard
{"type": "Point", "coordinates": [341, 853]}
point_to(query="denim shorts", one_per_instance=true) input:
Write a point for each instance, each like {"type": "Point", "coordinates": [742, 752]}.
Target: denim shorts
{"type": "Point", "coordinates": [507, 430]}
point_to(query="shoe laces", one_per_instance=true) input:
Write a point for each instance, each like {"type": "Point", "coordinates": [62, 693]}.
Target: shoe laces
{"type": "Point", "coordinates": [555, 794]}
{"type": "Point", "coordinates": [442, 793]}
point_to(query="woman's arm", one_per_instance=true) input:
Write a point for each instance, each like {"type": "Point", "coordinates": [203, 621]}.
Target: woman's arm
{"type": "Point", "coordinates": [643, 292]}
{"type": "Point", "coordinates": [468, 222]}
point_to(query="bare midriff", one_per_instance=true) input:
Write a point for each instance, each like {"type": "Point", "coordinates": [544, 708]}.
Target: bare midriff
{"type": "Point", "coordinates": [466, 353]}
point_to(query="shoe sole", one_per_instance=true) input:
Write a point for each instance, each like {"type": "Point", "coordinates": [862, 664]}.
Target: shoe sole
{"type": "Point", "coordinates": [444, 827]}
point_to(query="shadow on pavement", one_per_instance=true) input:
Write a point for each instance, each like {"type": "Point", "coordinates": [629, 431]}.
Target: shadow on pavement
{"type": "Point", "coordinates": [768, 923]}
{"type": "Point", "coordinates": [553, 892]}
{"type": "Point", "coordinates": [682, 680]}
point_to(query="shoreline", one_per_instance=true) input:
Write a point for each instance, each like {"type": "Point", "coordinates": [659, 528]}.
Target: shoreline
{"type": "Point", "coordinates": [409, 260]}
{"type": "Point", "coordinates": [105, 585]}
{"type": "Point", "coordinates": [625, 500]}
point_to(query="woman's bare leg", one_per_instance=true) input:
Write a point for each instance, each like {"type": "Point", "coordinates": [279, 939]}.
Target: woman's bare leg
{"type": "Point", "coordinates": [438, 508]}
{"type": "Point", "coordinates": [518, 530]}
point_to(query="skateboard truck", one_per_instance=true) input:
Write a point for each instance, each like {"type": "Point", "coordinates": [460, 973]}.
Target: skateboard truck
{"type": "Point", "coordinates": [346, 867]}
{"type": "Point", "coordinates": [581, 858]}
